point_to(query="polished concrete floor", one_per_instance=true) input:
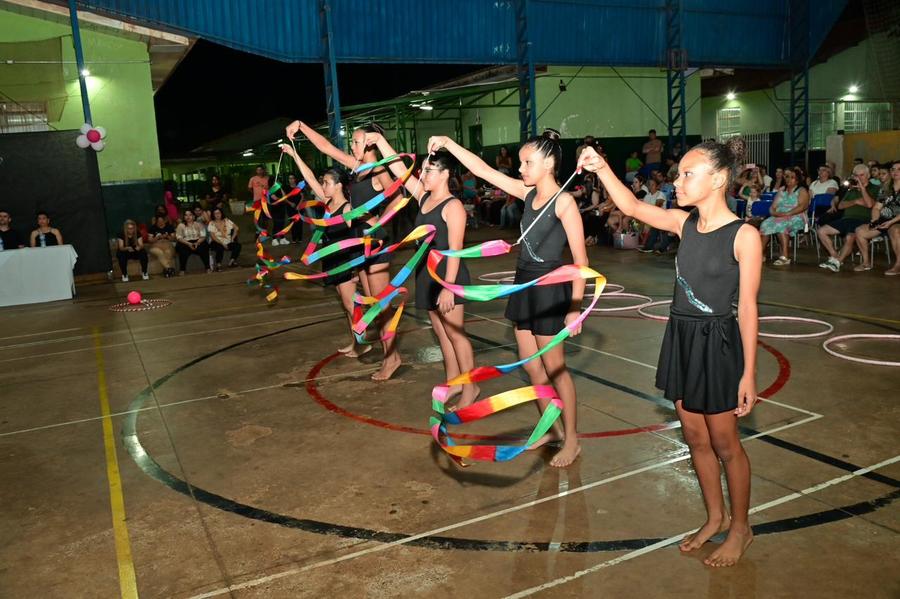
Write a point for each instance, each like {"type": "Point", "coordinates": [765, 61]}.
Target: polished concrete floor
{"type": "Point", "coordinates": [252, 461]}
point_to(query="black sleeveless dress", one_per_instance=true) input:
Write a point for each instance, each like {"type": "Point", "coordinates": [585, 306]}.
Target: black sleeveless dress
{"type": "Point", "coordinates": [541, 310]}
{"type": "Point", "coordinates": [702, 359]}
{"type": "Point", "coordinates": [334, 234]}
{"type": "Point", "coordinates": [427, 289]}
{"type": "Point", "coordinates": [361, 192]}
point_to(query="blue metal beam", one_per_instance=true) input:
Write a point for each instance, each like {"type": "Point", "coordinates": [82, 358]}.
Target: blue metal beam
{"type": "Point", "coordinates": [79, 60]}
{"type": "Point", "coordinates": [676, 64]}
{"type": "Point", "coordinates": [799, 23]}
{"type": "Point", "coordinates": [525, 74]}
{"type": "Point", "coordinates": [332, 96]}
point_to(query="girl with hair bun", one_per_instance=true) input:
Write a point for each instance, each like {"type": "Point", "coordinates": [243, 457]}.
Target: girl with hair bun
{"type": "Point", "coordinates": [539, 312]}
{"type": "Point", "coordinates": [707, 365]}
{"type": "Point", "coordinates": [375, 276]}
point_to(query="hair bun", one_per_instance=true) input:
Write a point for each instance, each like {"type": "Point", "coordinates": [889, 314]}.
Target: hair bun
{"type": "Point", "coordinates": [374, 127]}
{"type": "Point", "coordinates": [737, 146]}
{"type": "Point", "coordinates": [551, 134]}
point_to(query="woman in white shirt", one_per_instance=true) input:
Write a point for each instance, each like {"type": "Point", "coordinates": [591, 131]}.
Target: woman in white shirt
{"type": "Point", "coordinates": [191, 239]}
{"type": "Point", "coordinates": [223, 234]}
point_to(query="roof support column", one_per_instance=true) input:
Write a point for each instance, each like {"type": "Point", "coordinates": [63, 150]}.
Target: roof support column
{"type": "Point", "coordinates": [79, 60]}
{"type": "Point", "coordinates": [332, 97]}
{"type": "Point", "coordinates": [799, 57]}
{"type": "Point", "coordinates": [676, 64]}
{"type": "Point", "coordinates": [525, 73]}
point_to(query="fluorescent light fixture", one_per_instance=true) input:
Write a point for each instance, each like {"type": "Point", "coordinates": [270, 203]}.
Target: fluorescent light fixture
{"type": "Point", "coordinates": [730, 96]}
{"type": "Point", "coordinates": [85, 73]}
{"type": "Point", "coordinates": [426, 107]}
{"type": "Point", "coordinates": [853, 89]}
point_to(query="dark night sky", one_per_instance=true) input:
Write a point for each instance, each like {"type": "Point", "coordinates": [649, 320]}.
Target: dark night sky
{"type": "Point", "coordinates": [216, 91]}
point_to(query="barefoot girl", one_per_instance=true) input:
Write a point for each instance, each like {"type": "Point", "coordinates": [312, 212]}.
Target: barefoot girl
{"type": "Point", "coordinates": [540, 312]}
{"type": "Point", "coordinates": [376, 275]}
{"type": "Point", "coordinates": [334, 182]}
{"type": "Point", "coordinates": [707, 364]}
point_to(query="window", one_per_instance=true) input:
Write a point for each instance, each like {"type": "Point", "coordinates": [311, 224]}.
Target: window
{"type": "Point", "coordinates": [23, 117]}
{"type": "Point", "coordinates": [728, 123]}
{"type": "Point", "coordinates": [821, 124]}
{"type": "Point", "coordinates": [860, 117]}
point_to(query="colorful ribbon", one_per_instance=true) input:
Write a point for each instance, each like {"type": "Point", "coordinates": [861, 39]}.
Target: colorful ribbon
{"type": "Point", "coordinates": [508, 399]}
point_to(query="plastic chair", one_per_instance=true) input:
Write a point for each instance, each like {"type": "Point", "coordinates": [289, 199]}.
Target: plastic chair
{"type": "Point", "coordinates": [761, 208]}
{"type": "Point", "coordinates": [741, 208]}
{"type": "Point", "coordinates": [768, 196]}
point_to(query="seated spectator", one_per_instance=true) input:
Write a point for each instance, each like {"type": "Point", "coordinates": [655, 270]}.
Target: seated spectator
{"type": "Point", "coordinates": [632, 166]}
{"type": "Point", "coordinates": [671, 168]}
{"type": "Point", "coordinates": [654, 196]}
{"type": "Point", "coordinates": [885, 221]}
{"type": "Point", "coordinates": [509, 213]}
{"type": "Point", "coordinates": [884, 173]}
{"type": "Point", "coordinates": [45, 235]}
{"type": "Point", "coordinates": [130, 246]}
{"type": "Point", "coordinates": [190, 236]}
{"type": "Point", "coordinates": [469, 186]}
{"type": "Point", "coordinates": [639, 187]}
{"type": "Point", "coordinates": [9, 237]}
{"type": "Point", "coordinates": [200, 215]}
{"type": "Point", "coordinates": [766, 179]}
{"type": "Point", "coordinates": [223, 234]}
{"type": "Point", "coordinates": [594, 214]}
{"type": "Point", "coordinates": [161, 243]}
{"type": "Point", "coordinates": [857, 206]}
{"type": "Point", "coordinates": [777, 181]}
{"type": "Point", "coordinates": [163, 212]}
{"type": "Point", "coordinates": [873, 173]}
{"type": "Point", "coordinates": [748, 209]}
{"type": "Point", "coordinates": [824, 184]}
{"type": "Point", "coordinates": [788, 216]}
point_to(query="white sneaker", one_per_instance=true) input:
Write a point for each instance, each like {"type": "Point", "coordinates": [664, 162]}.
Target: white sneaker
{"type": "Point", "coordinates": [145, 276]}
{"type": "Point", "coordinates": [833, 265]}
{"type": "Point", "coordinates": [124, 278]}
{"type": "Point", "coordinates": [782, 261]}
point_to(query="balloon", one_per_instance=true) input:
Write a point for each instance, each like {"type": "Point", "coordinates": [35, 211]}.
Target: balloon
{"type": "Point", "coordinates": [93, 136]}
{"type": "Point", "coordinates": [98, 146]}
{"type": "Point", "coordinates": [82, 141]}
{"type": "Point", "coordinates": [101, 131]}
{"type": "Point", "coordinates": [85, 128]}
{"type": "Point", "coordinates": [134, 298]}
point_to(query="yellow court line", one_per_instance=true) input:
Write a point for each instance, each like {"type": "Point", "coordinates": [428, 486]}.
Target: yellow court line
{"type": "Point", "coordinates": [831, 312]}
{"type": "Point", "coordinates": [127, 579]}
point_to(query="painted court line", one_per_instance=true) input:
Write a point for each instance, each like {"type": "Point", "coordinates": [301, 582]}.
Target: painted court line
{"type": "Point", "coordinates": [386, 546]}
{"type": "Point", "coordinates": [127, 579]}
{"type": "Point", "coordinates": [644, 364]}
{"type": "Point", "coordinates": [42, 333]}
{"type": "Point", "coordinates": [675, 538]}
{"type": "Point", "coordinates": [153, 339]}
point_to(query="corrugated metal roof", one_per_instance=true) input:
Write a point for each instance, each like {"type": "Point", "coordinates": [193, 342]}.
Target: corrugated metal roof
{"type": "Point", "coordinates": [589, 32]}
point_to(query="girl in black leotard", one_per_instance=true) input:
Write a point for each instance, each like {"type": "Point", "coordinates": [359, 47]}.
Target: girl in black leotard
{"type": "Point", "coordinates": [440, 208]}
{"type": "Point", "coordinates": [707, 365]}
{"type": "Point", "coordinates": [541, 312]}
{"type": "Point", "coordinates": [331, 190]}
{"type": "Point", "coordinates": [376, 274]}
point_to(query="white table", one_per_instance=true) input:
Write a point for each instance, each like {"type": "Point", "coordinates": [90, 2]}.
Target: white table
{"type": "Point", "coordinates": [33, 275]}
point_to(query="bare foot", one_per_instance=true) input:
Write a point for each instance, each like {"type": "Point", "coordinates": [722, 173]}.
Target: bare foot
{"type": "Point", "coordinates": [468, 397]}
{"type": "Point", "coordinates": [454, 391]}
{"type": "Point", "coordinates": [551, 437]}
{"type": "Point", "coordinates": [712, 527]}
{"type": "Point", "coordinates": [388, 367]}
{"type": "Point", "coordinates": [346, 348]}
{"type": "Point", "coordinates": [731, 550]}
{"type": "Point", "coordinates": [568, 454]}
{"type": "Point", "coordinates": [358, 350]}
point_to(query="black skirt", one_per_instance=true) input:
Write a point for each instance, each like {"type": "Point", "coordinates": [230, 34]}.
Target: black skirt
{"type": "Point", "coordinates": [539, 309]}
{"type": "Point", "coordinates": [427, 289]}
{"type": "Point", "coordinates": [701, 362]}
{"type": "Point", "coordinates": [381, 235]}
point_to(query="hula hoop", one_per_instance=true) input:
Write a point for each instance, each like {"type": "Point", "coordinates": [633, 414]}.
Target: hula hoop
{"type": "Point", "coordinates": [501, 276]}
{"type": "Point", "coordinates": [647, 302]}
{"type": "Point", "coordinates": [829, 328]}
{"type": "Point", "coordinates": [143, 306]}
{"type": "Point", "coordinates": [606, 290]}
{"type": "Point", "coordinates": [642, 311]}
{"type": "Point", "coordinates": [828, 342]}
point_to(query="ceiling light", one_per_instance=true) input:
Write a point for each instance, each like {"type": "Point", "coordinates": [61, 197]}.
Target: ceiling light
{"type": "Point", "coordinates": [85, 73]}
{"type": "Point", "coordinates": [854, 89]}
{"type": "Point", "coordinates": [730, 96]}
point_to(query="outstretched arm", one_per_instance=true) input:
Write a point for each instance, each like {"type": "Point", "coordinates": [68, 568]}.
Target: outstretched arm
{"type": "Point", "coordinates": [655, 216]}
{"type": "Point", "coordinates": [397, 167]}
{"type": "Point", "coordinates": [321, 142]}
{"type": "Point", "coordinates": [305, 172]}
{"type": "Point", "coordinates": [479, 167]}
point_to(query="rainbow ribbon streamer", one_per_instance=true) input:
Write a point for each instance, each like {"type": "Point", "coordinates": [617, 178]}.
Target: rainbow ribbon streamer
{"type": "Point", "coordinates": [496, 403]}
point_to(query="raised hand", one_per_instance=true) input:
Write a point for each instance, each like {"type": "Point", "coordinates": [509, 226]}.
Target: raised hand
{"type": "Point", "coordinates": [291, 130]}
{"type": "Point", "coordinates": [590, 160]}
{"type": "Point", "coordinates": [436, 142]}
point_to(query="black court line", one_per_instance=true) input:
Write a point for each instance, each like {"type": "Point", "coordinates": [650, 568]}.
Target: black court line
{"type": "Point", "coordinates": [150, 467]}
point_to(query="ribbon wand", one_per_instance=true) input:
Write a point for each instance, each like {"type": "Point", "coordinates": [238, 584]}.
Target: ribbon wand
{"type": "Point", "coordinates": [550, 203]}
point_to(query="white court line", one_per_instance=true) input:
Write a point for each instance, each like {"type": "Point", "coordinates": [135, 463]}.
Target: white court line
{"type": "Point", "coordinates": [477, 519]}
{"type": "Point", "coordinates": [612, 355]}
{"type": "Point", "coordinates": [675, 538]}
{"type": "Point", "coordinates": [192, 400]}
{"type": "Point", "coordinates": [141, 341]}
{"type": "Point", "coordinates": [42, 333]}
{"type": "Point", "coordinates": [150, 328]}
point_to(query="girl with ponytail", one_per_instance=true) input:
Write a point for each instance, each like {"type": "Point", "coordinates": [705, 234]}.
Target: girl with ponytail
{"type": "Point", "coordinates": [539, 312]}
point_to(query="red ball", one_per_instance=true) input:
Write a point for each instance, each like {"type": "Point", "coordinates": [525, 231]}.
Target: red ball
{"type": "Point", "coordinates": [134, 297]}
{"type": "Point", "coordinates": [93, 136]}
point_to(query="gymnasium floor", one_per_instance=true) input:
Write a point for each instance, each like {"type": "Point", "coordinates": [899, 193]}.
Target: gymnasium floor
{"type": "Point", "coordinates": [220, 448]}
